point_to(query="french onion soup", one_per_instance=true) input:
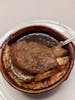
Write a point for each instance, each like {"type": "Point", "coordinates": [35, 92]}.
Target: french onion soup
{"type": "Point", "coordinates": [35, 61]}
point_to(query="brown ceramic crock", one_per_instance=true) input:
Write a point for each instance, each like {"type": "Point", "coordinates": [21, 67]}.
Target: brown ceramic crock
{"type": "Point", "coordinates": [34, 29]}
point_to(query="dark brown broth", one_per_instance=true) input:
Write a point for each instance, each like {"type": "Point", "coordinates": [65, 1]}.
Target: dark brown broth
{"type": "Point", "coordinates": [40, 38]}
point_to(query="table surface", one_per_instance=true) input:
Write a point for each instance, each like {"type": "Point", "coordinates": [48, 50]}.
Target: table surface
{"type": "Point", "coordinates": [13, 12]}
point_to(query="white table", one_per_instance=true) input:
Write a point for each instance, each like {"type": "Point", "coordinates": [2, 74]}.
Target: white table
{"type": "Point", "coordinates": [13, 12]}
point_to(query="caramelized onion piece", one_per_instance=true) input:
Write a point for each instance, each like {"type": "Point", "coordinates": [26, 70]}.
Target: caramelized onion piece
{"type": "Point", "coordinates": [38, 85]}
{"type": "Point", "coordinates": [46, 83]}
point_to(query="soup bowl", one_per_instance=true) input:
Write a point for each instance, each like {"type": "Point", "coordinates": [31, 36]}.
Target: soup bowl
{"type": "Point", "coordinates": [24, 30]}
